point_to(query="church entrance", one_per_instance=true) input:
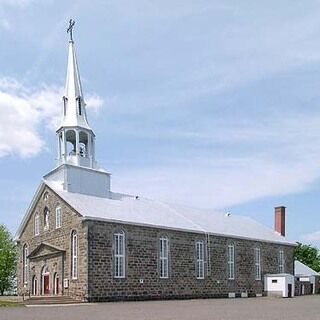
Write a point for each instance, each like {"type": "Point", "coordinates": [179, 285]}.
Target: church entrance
{"type": "Point", "coordinates": [45, 281]}
{"type": "Point", "coordinates": [49, 280]}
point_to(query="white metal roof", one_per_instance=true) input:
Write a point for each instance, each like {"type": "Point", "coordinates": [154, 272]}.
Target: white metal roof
{"type": "Point", "coordinates": [142, 211]}
{"type": "Point", "coordinates": [301, 269]}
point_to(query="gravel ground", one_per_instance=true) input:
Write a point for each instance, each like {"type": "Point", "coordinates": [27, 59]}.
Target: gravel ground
{"type": "Point", "coordinates": [300, 308]}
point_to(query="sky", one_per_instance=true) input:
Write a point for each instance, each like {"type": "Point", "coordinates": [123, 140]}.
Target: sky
{"type": "Point", "coordinates": [211, 104]}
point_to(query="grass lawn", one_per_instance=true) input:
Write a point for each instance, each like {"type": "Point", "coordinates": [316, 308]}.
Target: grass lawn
{"type": "Point", "coordinates": [10, 304]}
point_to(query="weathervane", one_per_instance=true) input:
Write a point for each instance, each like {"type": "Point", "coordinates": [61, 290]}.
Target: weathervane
{"type": "Point", "coordinates": [70, 29]}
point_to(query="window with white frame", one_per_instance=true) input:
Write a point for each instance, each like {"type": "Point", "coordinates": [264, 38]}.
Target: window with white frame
{"type": "Point", "coordinates": [257, 260]}
{"type": "Point", "coordinates": [119, 258]}
{"type": "Point", "coordinates": [36, 225]}
{"type": "Point", "coordinates": [231, 262]}
{"type": "Point", "coordinates": [58, 217]}
{"type": "Point", "coordinates": [200, 259]}
{"type": "Point", "coordinates": [74, 255]}
{"type": "Point", "coordinates": [281, 261]}
{"type": "Point", "coordinates": [25, 263]}
{"type": "Point", "coordinates": [164, 257]}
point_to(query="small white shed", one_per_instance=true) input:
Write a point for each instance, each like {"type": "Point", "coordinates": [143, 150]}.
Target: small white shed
{"type": "Point", "coordinates": [305, 274]}
{"type": "Point", "coordinates": [279, 285]}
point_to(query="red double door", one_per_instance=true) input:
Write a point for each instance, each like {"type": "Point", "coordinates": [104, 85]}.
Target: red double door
{"type": "Point", "coordinates": [46, 289]}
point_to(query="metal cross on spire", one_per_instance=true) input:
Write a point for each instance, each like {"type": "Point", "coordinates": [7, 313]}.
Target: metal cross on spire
{"type": "Point", "coordinates": [70, 28]}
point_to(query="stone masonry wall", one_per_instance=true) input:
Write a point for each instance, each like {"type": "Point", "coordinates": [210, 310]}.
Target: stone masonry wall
{"type": "Point", "coordinates": [60, 238]}
{"type": "Point", "coordinates": [142, 279]}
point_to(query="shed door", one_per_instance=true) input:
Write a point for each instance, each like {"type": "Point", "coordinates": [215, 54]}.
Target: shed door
{"type": "Point", "coordinates": [289, 290]}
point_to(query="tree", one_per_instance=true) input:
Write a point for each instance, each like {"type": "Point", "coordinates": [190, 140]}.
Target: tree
{"type": "Point", "coordinates": [7, 260]}
{"type": "Point", "coordinates": [308, 255]}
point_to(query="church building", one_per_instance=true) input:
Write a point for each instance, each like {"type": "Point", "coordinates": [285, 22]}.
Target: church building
{"type": "Point", "coordinates": [80, 239]}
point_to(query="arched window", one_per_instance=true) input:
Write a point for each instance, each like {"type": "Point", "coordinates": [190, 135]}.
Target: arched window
{"type": "Point", "coordinates": [83, 144]}
{"type": "Point", "coordinates": [46, 218]}
{"type": "Point", "coordinates": [74, 255]}
{"type": "Point", "coordinates": [164, 257]}
{"type": "Point", "coordinates": [25, 264]}
{"type": "Point", "coordinates": [36, 225]}
{"type": "Point", "coordinates": [119, 254]}
{"type": "Point", "coordinates": [71, 142]}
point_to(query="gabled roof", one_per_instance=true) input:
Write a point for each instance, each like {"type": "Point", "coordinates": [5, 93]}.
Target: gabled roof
{"type": "Point", "coordinates": [301, 269]}
{"type": "Point", "coordinates": [43, 250]}
{"type": "Point", "coordinates": [142, 211]}
{"type": "Point", "coordinates": [29, 210]}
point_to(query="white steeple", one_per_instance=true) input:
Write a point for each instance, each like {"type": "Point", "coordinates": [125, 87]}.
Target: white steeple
{"type": "Point", "coordinates": [76, 140]}
{"type": "Point", "coordinates": [76, 170]}
{"type": "Point", "coordinates": [74, 113]}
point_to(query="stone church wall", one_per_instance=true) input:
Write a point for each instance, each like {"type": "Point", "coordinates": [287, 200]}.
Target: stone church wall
{"type": "Point", "coordinates": [95, 272]}
{"type": "Point", "coordinates": [60, 238]}
{"type": "Point", "coordinates": [142, 279]}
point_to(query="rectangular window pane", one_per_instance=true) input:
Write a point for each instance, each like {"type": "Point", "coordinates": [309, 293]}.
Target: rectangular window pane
{"type": "Point", "coordinates": [257, 263]}
{"type": "Point", "coordinates": [200, 259]}
{"type": "Point", "coordinates": [231, 262]}
{"type": "Point", "coordinates": [119, 255]}
{"type": "Point", "coordinates": [58, 217]}
{"type": "Point", "coordinates": [164, 258]}
{"type": "Point", "coordinates": [281, 261]}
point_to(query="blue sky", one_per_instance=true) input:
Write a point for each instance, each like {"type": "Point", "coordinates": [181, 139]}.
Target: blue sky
{"type": "Point", "coordinates": [213, 104]}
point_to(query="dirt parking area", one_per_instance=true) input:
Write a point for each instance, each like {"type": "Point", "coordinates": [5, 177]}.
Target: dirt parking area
{"type": "Point", "coordinates": [300, 308]}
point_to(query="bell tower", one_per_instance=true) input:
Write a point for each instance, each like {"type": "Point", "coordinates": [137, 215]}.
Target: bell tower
{"type": "Point", "coordinates": [77, 169]}
{"type": "Point", "coordinates": [76, 140]}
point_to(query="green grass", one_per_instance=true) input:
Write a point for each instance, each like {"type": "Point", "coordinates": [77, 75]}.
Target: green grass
{"type": "Point", "coordinates": [10, 304]}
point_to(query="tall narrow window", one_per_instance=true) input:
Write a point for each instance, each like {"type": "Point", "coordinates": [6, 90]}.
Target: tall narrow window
{"type": "Point", "coordinates": [36, 224]}
{"type": "Point", "coordinates": [200, 259]}
{"type": "Point", "coordinates": [25, 264]}
{"type": "Point", "coordinates": [46, 218]}
{"type": "Point", "coordinates": [281, 261]}
{"type": "Point", "coordinates": [119, 254]}
{"type": "Point", "coordinates": [231, 262]}
{"type": "Point", "coordinates": [79, 105]}
{"type": "Point", "coordinates": [65, 105]}
{"type": "Point", "coordinates": [257, 258]}
{"type": "Point", "coordinates": [58, 217]}
{"type": "Point", "coordinates": [74, 255]}
{"type": "Point", "coordinates": [164, 257]}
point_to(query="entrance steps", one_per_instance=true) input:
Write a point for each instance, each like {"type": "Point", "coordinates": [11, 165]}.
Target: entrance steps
{"type": "Point", "coordinates": [43, 300]}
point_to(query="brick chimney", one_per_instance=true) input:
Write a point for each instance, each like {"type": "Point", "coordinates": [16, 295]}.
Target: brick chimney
{"type": "Point", "coordinates": [280, 220]}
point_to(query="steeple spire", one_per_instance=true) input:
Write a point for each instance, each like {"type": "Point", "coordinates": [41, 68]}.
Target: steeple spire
{"type": "Point", "coordinates": [74, 132]}
{"type": "Point", "coordinates": [74, 113]}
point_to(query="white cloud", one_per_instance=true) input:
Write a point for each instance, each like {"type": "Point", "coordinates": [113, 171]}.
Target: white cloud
{"type": "Point", "coordinates": [313, 237]}
{"type": "Point", "coordinates": [15, 3]}
{"type": "Point", "coordinates": [277, 156]}
{"type": "Point", "coordinates": [24, 111]}
{"type": "Point", "coordinates": [217, 183]}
